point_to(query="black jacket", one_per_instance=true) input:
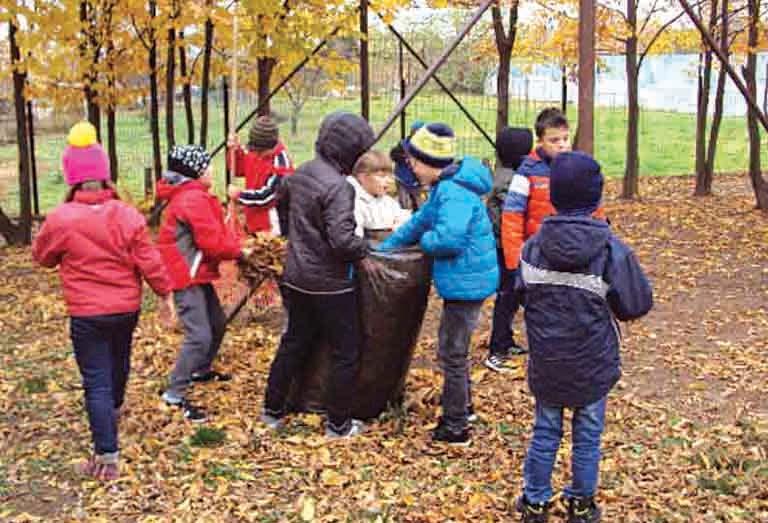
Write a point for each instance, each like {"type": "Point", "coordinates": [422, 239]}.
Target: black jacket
{"type": "Point", "coordinates": [322, 245]}
{"type": "Point", "coordinates": [578, 279]}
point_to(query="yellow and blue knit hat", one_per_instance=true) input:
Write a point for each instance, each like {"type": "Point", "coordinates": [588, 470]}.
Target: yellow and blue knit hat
{"type": "Point", "coordinates": [433, 144]}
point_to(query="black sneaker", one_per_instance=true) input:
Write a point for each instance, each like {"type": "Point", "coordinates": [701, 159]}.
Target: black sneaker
{"type": "Point", "coordinates": [211, 375]}
{"type": "Point", "coordinates": [532, 512]}
{"type": "Point", "coordinates": [191, 413]}
{"type": "Point", "coordinates": [583, 510]}
{"type": "Point", "coordinates": [456, 439]}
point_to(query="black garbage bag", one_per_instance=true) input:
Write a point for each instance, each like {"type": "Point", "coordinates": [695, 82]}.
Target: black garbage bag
{"type": "Point", "coordinates": [391, 309]}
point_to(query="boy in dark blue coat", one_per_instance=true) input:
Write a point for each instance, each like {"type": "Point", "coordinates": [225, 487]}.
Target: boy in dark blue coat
{"type": "Point", "coordinates": [453, 228]}
{"type": "Point", "coordinates": [577, 279]}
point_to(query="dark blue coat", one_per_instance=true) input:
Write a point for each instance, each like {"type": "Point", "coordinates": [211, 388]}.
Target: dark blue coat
{"type": "Point", "coordinates": [577, 279]}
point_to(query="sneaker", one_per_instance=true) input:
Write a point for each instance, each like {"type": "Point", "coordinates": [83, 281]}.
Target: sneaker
{"type": "Point", "coordinates": [211, 375]}
{"type": "Point", "coordinates": [516, 350]}
{"type": "Point", "coordinates": [273, 422]}
{"type": "Point", "coordinates": [356, 427]}
{"type": "Point", "coordinates": [455, 439]}
{"type": "Point", "coordinates": [101, 467]}
{"type": "Point", "coordinates": [471, 416]}
{"type": "Point", "coordinates": [583, 510]}
{"type": "Point", "coordinates": [498, 363]}
{"type": "Point", "coordinates": [532, 512]}
{"type": "Point", "coordinates": [191, 413]}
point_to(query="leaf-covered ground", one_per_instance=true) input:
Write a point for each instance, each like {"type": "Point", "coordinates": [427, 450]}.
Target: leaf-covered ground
{"type": "Point", "coordinates": [686, 440]}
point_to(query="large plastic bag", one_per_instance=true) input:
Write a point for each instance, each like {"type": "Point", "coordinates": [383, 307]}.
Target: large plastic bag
{"type": "Point", "coordinates": [391, 309]}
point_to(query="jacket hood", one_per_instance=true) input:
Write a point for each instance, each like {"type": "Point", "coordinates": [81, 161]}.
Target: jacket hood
{"type": "Point", "coordinates": [173, 183]}
{"type": "Point", "coordinates": [342, 139]}
{"type": "Point", "coordinates": [571, 242]}
{"type": "Point", "coordinates": [471, 174]}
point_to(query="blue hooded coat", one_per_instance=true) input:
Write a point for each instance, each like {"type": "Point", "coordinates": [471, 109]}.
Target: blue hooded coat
{"type": "Point", "coordinates": [453, 228]}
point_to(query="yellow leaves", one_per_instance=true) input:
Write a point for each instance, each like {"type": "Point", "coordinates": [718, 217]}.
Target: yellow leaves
{"type": "Point", "coordinates": [331, 478]}
{"type": "Point", "coordinates": [307, 505]}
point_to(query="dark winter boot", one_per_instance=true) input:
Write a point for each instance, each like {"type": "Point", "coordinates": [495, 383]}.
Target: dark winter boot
{"type": "Point", "coordinates": [583, 510]}
{"type": "Point", "coordinates": [532, 512]}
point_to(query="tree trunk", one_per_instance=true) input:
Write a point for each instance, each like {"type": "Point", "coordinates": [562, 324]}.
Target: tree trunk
{"type": "Point", "coordinates": [759, 185]}
{"type": "Point", "coordinates": [154, 110]}
{"type": "Point", "coordinates": [111, 116]}
{"type": "Point", "coordinates": [186, 89]}
{"type": "Point", "coordinates": [630, 186]}
{"type": "Point", "coordinates": [89, 76]}
{"type": "Point", "coordinates": [22, 232]}
{"type": "Point", "coordinates": [205, 82]}
{"type": "Point", "coordinates": [170, 80]}
{"type": "Point", "coordinates": [32, 158]}
{"type": "Point", "coordinates": [12, 232]}
{"type": "Point", "coordinates": [505, 44]}
{"type": "Point", "coordinates": [585, 133]}
{"type": "Point", "coordinates": [717, 117]}
{"type": "Point", "coordinates": [564, 90]}
{"type": "Point", "coordinates": [265, 68]}
{"type": "Point", "coordinates": [294, 123]}
{"type": "Point", "coordinates": [702, 114]}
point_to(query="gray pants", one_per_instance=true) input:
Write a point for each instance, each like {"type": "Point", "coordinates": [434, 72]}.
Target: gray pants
{"type": "Point", "coordinates": [204, 322]}
{"type": "Point", "coordinates": [457, 323]}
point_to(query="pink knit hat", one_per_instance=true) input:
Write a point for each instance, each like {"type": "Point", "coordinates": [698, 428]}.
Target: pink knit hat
{"type": "Point", "coordinates": [84, 159]}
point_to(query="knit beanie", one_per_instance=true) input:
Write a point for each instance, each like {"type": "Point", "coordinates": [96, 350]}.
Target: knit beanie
{"type": "Point", "coordinates": [512, 145]}
{"type": "Point", "coordinates": [575, 184]}
{"type": "Point", "coordinates": [84, 159]}
{"type": "Point", "coordinates": [188, 160]}
{"type": "Point", "coordinates": [434, 144]}
{"type": "Point", "coordinates": [263, 134]}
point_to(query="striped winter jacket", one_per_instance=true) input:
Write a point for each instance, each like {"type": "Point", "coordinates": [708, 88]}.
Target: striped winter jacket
{"type": "Point", "coordinates": [263, 174]}
{"type": "Point", "coordinates": [576, 279]}
{"type": "Point", "coordinates": [526, 206]}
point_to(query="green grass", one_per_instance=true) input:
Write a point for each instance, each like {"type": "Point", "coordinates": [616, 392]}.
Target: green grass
{"type": "Point", "coordinates": [666, 139]}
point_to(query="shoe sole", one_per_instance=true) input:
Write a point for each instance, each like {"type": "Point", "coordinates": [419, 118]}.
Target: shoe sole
{"type": "Point", "coordinates": [494, 368]}
{"type": "Point", "coordinates": [459, 444]}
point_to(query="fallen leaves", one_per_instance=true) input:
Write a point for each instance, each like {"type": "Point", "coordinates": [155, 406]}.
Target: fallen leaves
{"type": "Point", "coordinates": [686, 438]}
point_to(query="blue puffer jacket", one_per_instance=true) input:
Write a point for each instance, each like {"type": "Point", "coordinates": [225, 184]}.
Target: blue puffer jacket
{"type": "Point", "coordinates": [453, 227]}
{"type": "Point", "coordinates": [576, 279]}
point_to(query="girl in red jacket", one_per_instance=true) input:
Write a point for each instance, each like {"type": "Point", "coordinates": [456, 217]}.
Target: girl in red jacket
{"type": "Point", "coordinates": [193, 240]}
{"type": "Point", "coordinates": [102, 249]}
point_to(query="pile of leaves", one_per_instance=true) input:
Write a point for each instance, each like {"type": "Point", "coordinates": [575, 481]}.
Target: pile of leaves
{"type": "Point", "coordinates": [264, 258]}
{"type": "Point", "coordinates": [687, 426]}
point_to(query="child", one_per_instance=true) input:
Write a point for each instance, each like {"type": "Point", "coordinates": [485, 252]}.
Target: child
{"type": "Point", "coordinates": [193, 240]}
{"type": "Point", "coordinates": [374, 209]}
{"type": "Point", "coordinates": [318, 280]}
{"type": "Point", "coordinates": [452, 227]}
{"type": "Point", "coordinates": [513, 146]}
{"type": "Point", "coordinates": [408, 186]}
{"type": "Point", "coordinates": [527, 202]}
{"type": "Point", "coordinates": [102, 248]}
{"type": "Point", "coordinates": [576, 277]}
{"type": "Point", "coordinates": [264, 165]}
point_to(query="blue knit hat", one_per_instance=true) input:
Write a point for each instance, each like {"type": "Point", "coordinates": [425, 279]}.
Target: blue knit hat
{"type": "Point", "coordinates": [433, 144]}
{"type": "Point", "coordinates": [575, 184]}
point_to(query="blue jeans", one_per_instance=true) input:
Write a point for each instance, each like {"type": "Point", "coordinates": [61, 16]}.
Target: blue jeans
{"type": "Point", "coordinates": [504, 310]}
{"type": "Point", "coordinates": [457, 323]}
{"type": "Point", "coordinates": [103, 350]}
{"type": "Point", "coordinates": [588, 424]}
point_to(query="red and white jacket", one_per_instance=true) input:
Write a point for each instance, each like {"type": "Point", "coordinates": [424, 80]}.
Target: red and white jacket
{"type": "Point", "coordinates": [102, 248]}
{"type": "Point", "coordinates": [262, 173]}
{"type": "Point", "coordinates": [193, 238]}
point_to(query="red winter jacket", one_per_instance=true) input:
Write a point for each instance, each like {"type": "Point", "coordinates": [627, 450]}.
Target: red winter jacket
{"type": "Point", "coordinates": [193, 239]}
{"type": "Point", "coordinates": [257, 169]}
{"type": "Point", "coordinates": [103, 249]}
